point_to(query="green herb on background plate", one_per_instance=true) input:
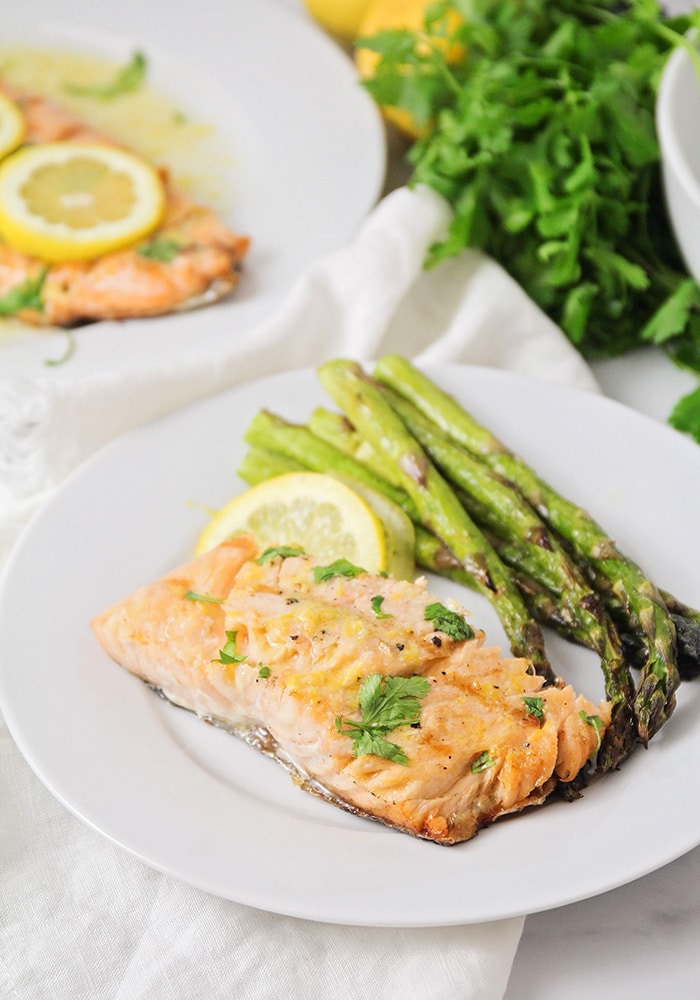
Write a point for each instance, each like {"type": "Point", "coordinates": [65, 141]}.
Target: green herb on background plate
{"type": "Point", "coordinates": [126, 80]}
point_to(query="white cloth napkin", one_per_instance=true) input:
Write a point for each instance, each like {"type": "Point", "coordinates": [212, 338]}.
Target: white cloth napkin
{"type": "Point", "coordinates": [79, 917]}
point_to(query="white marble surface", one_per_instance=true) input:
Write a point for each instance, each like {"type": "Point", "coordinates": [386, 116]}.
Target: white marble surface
{"type": "Point", "coordinates": [639, 941]}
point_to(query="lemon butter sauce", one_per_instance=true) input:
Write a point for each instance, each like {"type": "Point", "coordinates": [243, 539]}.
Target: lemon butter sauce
{"type": "Point", "coordinates": [148, 121]}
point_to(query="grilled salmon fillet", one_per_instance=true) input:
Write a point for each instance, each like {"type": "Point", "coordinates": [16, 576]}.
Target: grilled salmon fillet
{"type": "Point", "coordinates": [301, 651]}
{"type": "Point", "coordinates": [127, 283]}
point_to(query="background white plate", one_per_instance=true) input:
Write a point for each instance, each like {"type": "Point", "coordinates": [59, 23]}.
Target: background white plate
{"type": "Point", "coordinates": [307, 155]}
{"type": "Point", "coordinates": [197, 803]}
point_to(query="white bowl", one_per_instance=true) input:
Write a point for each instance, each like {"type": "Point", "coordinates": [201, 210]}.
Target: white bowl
{"type": "Point", "coordinates": [678, 131]}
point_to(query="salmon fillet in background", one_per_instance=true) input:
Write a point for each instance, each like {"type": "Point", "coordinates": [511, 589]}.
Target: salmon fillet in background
{"type": "Point", "coordinates": [122, 284]}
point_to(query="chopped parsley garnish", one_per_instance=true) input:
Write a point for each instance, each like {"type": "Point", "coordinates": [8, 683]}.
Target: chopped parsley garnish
{"type": "Point", "coordinates": [535, 706]}
{"type": "Point", "coordinates": [448, 622]}
{"type": "Point", "coordinates": [26, 295]}
{"type": "Point", "coordinates": [126, 80]}
{"type": "Point", "coordinates": [386, 703]}
{"type": "Point", "coordinates": [482, 763]}
{"type": "Point", "coordinates": [264, 671]}
{"type": "Point", "coordinates": [161, 248]}
{"type": "Point", "coordinates": [597, 723]}
{"type": "Point", "coordinates": [278, 552]}
{"type": "Point", "coordinates": [377, 602]}
{"type": "Point", "coordinates": [192, 595]}
{"type": "Point", "coordinates": [341, 567]}
{"type": "Point", "coordinates": [228, 654]}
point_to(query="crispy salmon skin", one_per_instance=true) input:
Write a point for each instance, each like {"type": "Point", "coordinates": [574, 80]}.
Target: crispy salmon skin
{"type": "Point", "coordinates": [491, 738]}
{"type": "Point", "coordinates": [203, 262]}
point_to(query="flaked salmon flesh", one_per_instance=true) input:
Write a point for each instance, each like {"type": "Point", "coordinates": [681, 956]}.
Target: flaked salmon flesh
{"type": "Point", "coordinates": [478, 751]}
{"type": "Point", "coordinates": [122, 284]}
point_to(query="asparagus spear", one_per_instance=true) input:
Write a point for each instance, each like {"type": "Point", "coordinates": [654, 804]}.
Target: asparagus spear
{"type": "Point", "coordinates": [551, 609]}
{"type": "Point", "coordinates": [688, 639]}
{"type": "Point", "coordinates": [497, 504]}
{"type": "Point", "coordinates": [687, 622]}
{"type": "Point", "coordinates": [504, 509]}
{"type": "Point", "coordinates": [259, 464]}
{"type": "Point", "coordinates": [685, 619]}
{"type": "Point", "coordinates": [677, 607]}
{"type": "Point", "coordinates": [336, 429]}
{"type": "Point", "coordinates": [408, 467]}
{"type": "Point", "coordinates": [433, 555]}
{"type": "Point", "coordinates": [659, 680]}
{"type": "Point", "coordinates": [272, 433]}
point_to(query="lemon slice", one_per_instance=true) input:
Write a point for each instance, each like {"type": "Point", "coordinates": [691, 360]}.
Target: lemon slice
{"type": "Point", "coordinates": [11, 125]}
{"type": "Point", "coordinates": [71, 201]}
{"type": "Point", "coordinates": [399, 533]}
{"type": "Point", "coordinates": [319, 513]}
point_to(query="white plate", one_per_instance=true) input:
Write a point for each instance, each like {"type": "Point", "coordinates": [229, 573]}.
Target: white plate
{"type": "Point", "coordinates": [197, 803]}
{"type": "Point", "coordinates": [305, 143]}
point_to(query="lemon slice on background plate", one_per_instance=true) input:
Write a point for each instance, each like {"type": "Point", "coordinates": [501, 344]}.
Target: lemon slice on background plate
{"type": "Point", "coordinates": [64, 201]}
{"type": "Point", "coordinates": [322, 515]}
{"type": "Point", "coordinates": [11, 125]}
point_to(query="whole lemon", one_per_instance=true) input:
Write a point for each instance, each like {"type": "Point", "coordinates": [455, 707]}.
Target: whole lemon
{"type": "Point", "coordinates": [340, 17]}
{"type": "Point", "coordinates": [384, 14]}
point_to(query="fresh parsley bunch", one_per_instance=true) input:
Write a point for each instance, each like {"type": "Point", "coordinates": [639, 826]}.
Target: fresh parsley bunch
{"type": "Point", "coordinates": [542, 138]}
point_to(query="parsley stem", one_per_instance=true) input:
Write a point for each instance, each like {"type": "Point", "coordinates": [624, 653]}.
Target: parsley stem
{"type": "Point", "coordinates": [680, 41]}
{"type": "Point", "coordinates": [67, 353]}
